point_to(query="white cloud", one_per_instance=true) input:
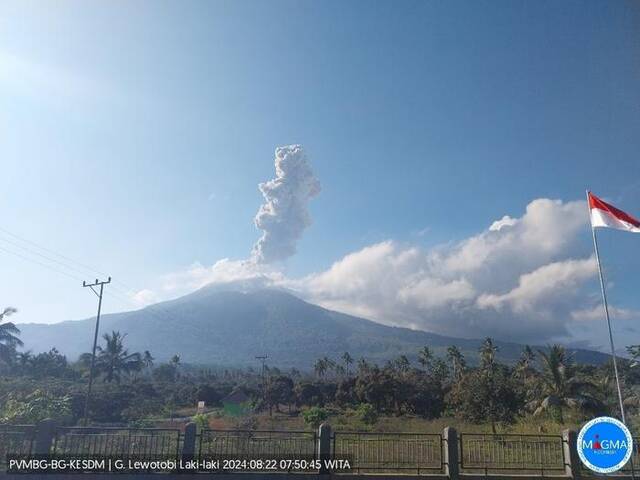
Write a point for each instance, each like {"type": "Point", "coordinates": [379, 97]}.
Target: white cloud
{"type": "Point", "coordinates": [596, 314]}
{"type": "Point", "coordinates": [512, 280]}
{"type": "Point", "coordinates": [145, 297]}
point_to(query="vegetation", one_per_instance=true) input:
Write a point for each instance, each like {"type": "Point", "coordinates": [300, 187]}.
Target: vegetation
{"type": "Point", "coordinates": [544, 386]}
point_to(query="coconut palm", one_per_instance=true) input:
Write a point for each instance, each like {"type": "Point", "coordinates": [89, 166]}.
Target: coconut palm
{"type": "Point", "coordinates": [458, 363]}
{"type": "Point", "coordinates": [488, 353]}
{"type": "Point", "coordinates": [320, 367]}
{"type": "Point", "coordinates": [175, 360]}
{"type": "Point", "coordinates": [401, 364]}
{"type": "Point", "coordinates": [147, 359]}
{"type": "Point", "coordinates": [114, 360]}
{"type": "Point", "coordinates": [8, 336]}
{"type": "Point", "coordinates": [348, 361]}
{"type": "Point", "coordinates": [561, 386]}
{"type": "Point", "coordinates": [329, 364]}
{"type": "Point", "coordinates": [425, 357]}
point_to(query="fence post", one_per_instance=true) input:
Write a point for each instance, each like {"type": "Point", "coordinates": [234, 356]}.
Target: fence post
{"type": "Point", "coordinates": [571, 460]}
{"type": "Point", "coordinates": [45, 432]}
{"type": "Point", "coordinates": [450, 453]}
{"type": "Point", "coordinates": [324, 447]}
{"type": "Point", "coordinates": [189, 443]}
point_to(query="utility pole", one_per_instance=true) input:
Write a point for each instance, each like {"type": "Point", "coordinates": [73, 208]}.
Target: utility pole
{"type": "Point", "coordinates": [95, 342]}
{"type": "Point", "coordinates": [263, 358]}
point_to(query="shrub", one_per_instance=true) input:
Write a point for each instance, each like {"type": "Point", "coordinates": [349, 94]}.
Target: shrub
{"type": "Point", "coordinates": [201, 420]}
{"type": "Point", "coordinates": [367, 414]}
{"type": "Point", "coordinates": [314, 416]}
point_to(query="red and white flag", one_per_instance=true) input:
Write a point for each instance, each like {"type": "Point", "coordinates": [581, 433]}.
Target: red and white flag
{"type": "Point", "coordinates": [605, 215]}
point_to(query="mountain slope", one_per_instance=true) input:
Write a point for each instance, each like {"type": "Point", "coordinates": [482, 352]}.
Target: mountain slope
{"type": "Point", "coordinates": [231, 327]}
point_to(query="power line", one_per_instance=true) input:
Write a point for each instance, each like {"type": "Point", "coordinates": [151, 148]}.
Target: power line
{"type": "Point", "coordinates": [40, 263]}
{"type": "Point", "coordinates": [87, 267]}
{"type": "Point", "coordinates": [152, 310]}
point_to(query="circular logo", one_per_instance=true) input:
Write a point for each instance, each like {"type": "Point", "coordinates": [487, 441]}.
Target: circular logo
{"type": "Point", "coordinates": [605, 445]}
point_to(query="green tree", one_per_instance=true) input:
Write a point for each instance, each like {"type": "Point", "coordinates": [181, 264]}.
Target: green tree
{"type": "Point", "coordinates": [488, 353]}
{"type": "Point", "coordinates": [458, 363]}
{"type": "Point", "coordinates": [320, 367]}
{"type": "Point", "coordinates": [488, 393]}
{"type": "Point", "coordinates": [348, 361]}
{"type": "Point", "coordinates": [147, 360]}
{"type": "Point", "coordinates": [314, 416]}
{"type": "Point", "coordinates": [561, 386]}
{"type": "Point", "coordinates": [9, 340]}
{"type": "Point", "coordinates": [401, 364]}
{"type": "Point", "coordinates": [36, 406]}
{"type": "Point", "coordinates": [308, 394]}
{"type": "Point", "coordinates": [367, 414]}
{"type": "Point", "coordinates": [425, 357]}
{"type": "Point", "coordinates": [279, 390]}
{"type": "Point", "coordinates": [113, 361]}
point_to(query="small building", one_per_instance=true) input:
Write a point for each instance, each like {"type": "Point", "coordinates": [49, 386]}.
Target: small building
{"type": "Point", "coordinates": [237, 403]}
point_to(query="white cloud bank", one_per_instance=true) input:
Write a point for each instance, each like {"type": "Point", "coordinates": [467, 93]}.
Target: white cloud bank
{"type": "Point", "coordinates": [515, 281]}
{"type": "Point", "coordinates": [524, 279]}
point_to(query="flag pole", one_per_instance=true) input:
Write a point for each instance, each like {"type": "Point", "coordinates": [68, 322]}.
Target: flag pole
{"type": "Point", "coordinates": [606, 311]}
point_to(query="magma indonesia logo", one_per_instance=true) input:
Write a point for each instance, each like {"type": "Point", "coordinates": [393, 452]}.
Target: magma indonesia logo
{"type": "Point", "coordinates": [605, 445]}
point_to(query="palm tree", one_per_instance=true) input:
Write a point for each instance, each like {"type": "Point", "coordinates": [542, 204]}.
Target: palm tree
{"type": "Point", "coordinates": [24, 359]}
{"type": "Point", "coordinates": [363, 365]}
{"type": "Point", "coordinates": [401, 364]}
{"type": "Point", "coordinates": [175, 360]}
{"type": "Point", "coordinates": [329, 364]}
{"type": "Point", "coordinates": [114, 360]}
{"type": "Point", "coordinates": [320, 367]}
{"type": "Point", "coordinates": [147, 359]}
{"type": "Point", "coordinates": [425, 357]}
{"type": "Point", "coordinates": [8, 336]}
{"type": "Point", "coordinates": [561, 387]}
{"type": "Point", "coordinates": [488, 354]}
{"type": "Point", "coordinates": [458, 363]}
{"type": "Point", "coordinates": [525, 363]}
{"type": "Point", "coordinates": [348, 361]}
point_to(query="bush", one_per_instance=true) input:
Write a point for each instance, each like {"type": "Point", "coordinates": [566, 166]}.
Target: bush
{"type": "Point", "coordinates": [367, 414]}
{"type": "Point", "coordinates": [201, 420]}
{"type": "Point", "coordinates": [36, 406]}
{"type": "Point", "coordinates": [314, 416]}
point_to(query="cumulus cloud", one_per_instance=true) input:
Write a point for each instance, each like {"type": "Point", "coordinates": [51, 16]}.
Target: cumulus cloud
{"type": "Point", "coordinates": [514, 280]}
{"type": "Point", "coordinates": [284, 215]}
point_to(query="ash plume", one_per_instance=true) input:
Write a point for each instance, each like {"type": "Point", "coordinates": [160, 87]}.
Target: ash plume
{"type": "Point", "coordinates": [284, 215]}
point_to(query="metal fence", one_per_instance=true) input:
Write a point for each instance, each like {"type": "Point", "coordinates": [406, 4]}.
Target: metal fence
{"type": "Point", "coordinates": [382, 453]}
{"type": "Point", "coordinates": [16, 439]}
{"type": "Point", "coordinates": [117, 441]}
{"type": "Point", "coordinates": [523, 453]}
{"type": "Point", "coordinates": [388, 452]}
{"type": "Point", "coordinates": [258, 444]}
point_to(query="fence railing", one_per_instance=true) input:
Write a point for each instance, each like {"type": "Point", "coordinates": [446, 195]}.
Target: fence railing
{"type": "Point", "coordinates": [16, 439]}
{"type": "Point", "coordinates": [388, 452]}
{"type": "Point", "coordinates": [522, 453]}
{"type": "Point", "coordinates": [87, 441]}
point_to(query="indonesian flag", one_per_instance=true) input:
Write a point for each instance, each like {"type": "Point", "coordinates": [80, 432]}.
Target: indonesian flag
{"type": "Point", "coordinates": [608, 216]}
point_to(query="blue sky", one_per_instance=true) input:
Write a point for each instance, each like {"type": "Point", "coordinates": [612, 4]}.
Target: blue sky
{"type": "Point", "coordinates": [133, 135]}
